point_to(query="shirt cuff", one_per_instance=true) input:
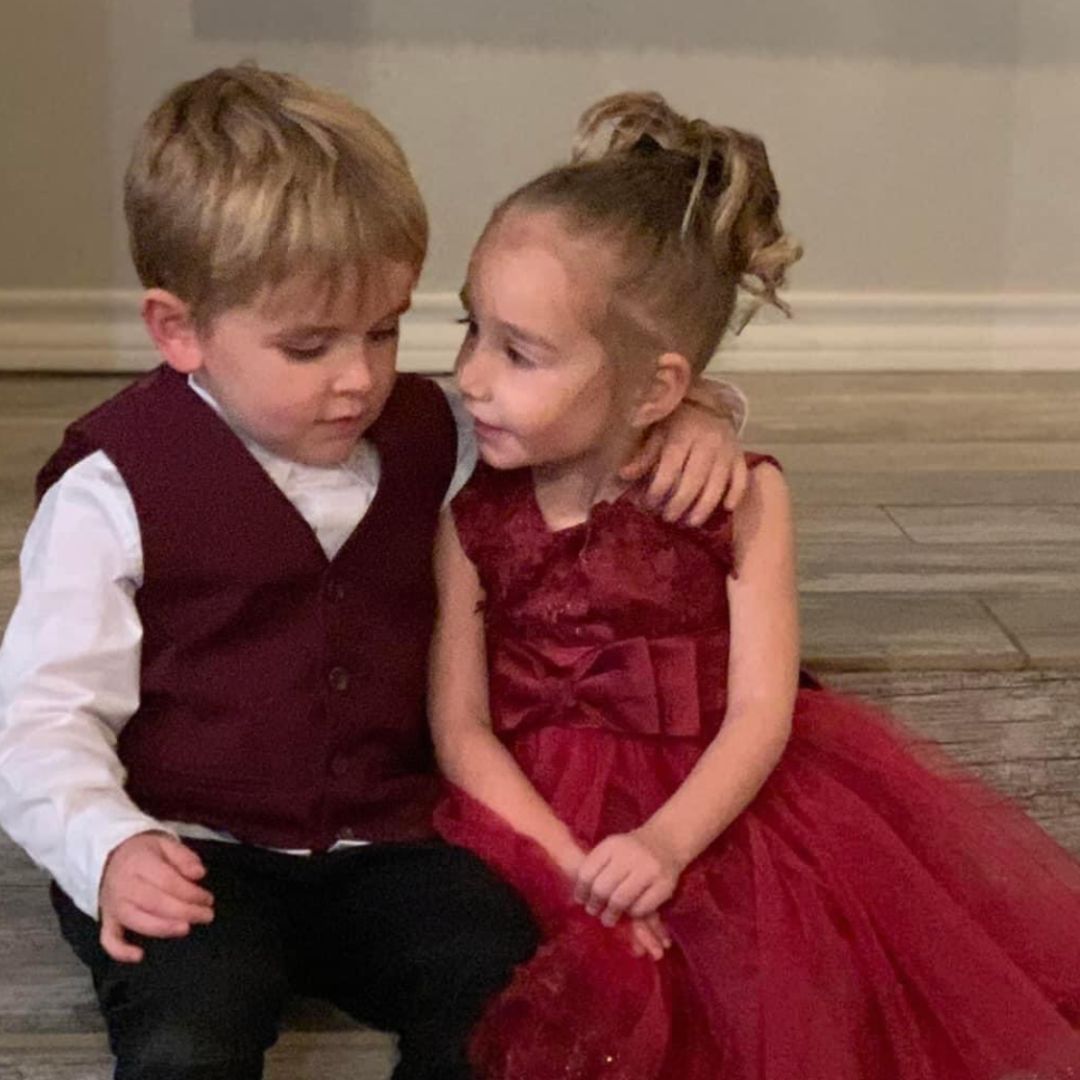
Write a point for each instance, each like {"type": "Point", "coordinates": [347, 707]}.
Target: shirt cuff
{"type": "Point", "coordinates": [91, 841]}
{"type": "Point", "coordinates": [723, 398]}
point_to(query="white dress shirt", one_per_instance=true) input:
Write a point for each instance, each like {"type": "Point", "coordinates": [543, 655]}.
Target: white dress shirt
{"type": "Point", "coordinates": [69, 665]}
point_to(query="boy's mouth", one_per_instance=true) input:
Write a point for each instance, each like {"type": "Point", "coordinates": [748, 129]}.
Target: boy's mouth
{"type": "Point", "coordinates": [345, 424]}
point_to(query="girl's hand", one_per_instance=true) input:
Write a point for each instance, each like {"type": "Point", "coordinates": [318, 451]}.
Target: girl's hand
{"type": "Point", "coordinates": [626, 872]}
{"type": "Point", "coordinates": [696, 461]}
{"type": "Point", "coordinates": [649, 936]}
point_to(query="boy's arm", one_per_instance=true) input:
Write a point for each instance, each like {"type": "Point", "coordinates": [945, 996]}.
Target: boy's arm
{"type": "Point", "coordinates": [466, 438]}
{"type": "Point", "coordinates": [723, 398]}
{"type": "Point", "coordinates": [469, 753]}
{"type": "Point", "coordinates": [694, 458]}
{"type": "Point", "coordinates": [637, 871]}
{"type": "Point", "coordinates": [69, 681]}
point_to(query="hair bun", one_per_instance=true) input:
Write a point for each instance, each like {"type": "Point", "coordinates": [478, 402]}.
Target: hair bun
{"type": "Point", "coordinates": [732, 190]}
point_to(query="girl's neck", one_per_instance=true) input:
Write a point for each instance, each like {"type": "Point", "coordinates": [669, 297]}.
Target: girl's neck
{"type": "Point", "coordinates": [567, 491]}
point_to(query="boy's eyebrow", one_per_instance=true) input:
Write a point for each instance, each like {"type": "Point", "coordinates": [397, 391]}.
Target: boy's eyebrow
{"type": "Point", "coordinates": [510, 328]}
{"type": "Point", "coordinates": [322, 329]}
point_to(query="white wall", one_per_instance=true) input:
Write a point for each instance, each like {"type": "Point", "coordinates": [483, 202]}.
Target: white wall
{"type": "Point", "coordinates": [922, 147]}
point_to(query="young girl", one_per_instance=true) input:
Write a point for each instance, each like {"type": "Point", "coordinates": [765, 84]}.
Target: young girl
{"type": "Point", "coordinates": [617, 700]}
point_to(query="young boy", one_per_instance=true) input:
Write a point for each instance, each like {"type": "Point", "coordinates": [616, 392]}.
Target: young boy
{"type": "Point", "coordinates": [212, 727]}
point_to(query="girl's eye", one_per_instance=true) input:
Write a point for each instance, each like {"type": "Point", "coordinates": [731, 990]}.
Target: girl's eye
{"type": "Point", "coordinates": [314, 352]}
{"type": "Point", "coordinates": [518, 359]}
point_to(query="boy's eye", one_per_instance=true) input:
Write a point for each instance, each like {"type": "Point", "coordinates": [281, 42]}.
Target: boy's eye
{"type": "Point", "coordinates": [311, 352]}
{"type": "Point", "coordinates": [385, 333]}
{"type": "Point", "coordinates": [469, 323]}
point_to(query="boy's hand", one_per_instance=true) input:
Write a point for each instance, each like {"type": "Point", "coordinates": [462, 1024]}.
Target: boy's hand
{"type": "Point", "coordinates": [624, 873]}
{"type": "Point", "coordinates": [148, 887]}
{"type": "Point", "coordinates": [696, 461]}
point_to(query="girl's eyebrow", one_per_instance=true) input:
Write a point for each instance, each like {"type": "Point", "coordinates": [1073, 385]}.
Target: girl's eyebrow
{"type": "Point", "coordinates": [528, 336]}
{"type": "Point", "coordinates": [509, 328]}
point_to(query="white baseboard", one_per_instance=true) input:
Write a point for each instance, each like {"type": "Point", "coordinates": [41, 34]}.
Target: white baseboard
{"type": "Point", "coordinates": [99, 330]}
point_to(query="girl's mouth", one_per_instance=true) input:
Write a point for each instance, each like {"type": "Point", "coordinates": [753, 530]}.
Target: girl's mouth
{"type": "Point", "coordinates": [486, 431]}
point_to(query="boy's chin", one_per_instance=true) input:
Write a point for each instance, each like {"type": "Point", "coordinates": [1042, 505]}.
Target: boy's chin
{"type": "Point", "coordinates": [326, 457]}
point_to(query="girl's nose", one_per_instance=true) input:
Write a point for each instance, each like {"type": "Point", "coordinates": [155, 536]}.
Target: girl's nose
{"type": "Point", "coordinates": [470, 374]}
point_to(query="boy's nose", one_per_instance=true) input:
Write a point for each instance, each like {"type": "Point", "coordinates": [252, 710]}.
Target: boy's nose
{"type": "Point", "coordinates": [355, 376]}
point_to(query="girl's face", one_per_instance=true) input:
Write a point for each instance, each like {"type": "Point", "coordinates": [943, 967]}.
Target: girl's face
{"type": "Point", "coordinates": [535, 378]}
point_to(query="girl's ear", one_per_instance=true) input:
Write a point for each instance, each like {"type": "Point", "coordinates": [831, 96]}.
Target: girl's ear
{"type": "Point", "coordinates": [663, 393]}
{"type": "Point", "coordinates": [172, 328]}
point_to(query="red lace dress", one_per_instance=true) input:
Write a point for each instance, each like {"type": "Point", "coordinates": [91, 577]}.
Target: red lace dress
{"type": "Point", "coordinates": [873, 915]}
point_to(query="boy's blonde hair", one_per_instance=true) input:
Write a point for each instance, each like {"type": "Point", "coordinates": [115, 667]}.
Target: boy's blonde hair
{"type": "Point", "coordinates": [243, 178]}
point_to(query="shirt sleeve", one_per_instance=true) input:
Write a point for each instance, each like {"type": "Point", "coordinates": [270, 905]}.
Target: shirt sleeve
{"type": "Point", "coordinates": [69, 680]}
{"type": "Point", "coordinates": [725, 398]}
{"type": "Point", "coordinates": [466, 440]}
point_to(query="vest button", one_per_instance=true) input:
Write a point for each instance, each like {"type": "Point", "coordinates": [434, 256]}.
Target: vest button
{"type": "Point", "coordinates": [336, 590]}
{"type": "Point", "coordinates": [339, 765]}
{"type": "Point", "coordinates": [346, 833]}
{"type": "Point", "coordinates": [339, 679]}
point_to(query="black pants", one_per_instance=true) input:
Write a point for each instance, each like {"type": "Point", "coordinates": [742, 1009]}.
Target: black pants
{"type": "Point", "coordinates": [411, 938]}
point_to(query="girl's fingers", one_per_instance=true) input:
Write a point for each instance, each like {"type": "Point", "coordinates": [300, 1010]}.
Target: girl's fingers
{"type": "Point", "coordinates": [623, 897]}
{"type": "Point", "coordinates": [610, 878]}
{"type": "Point", "coordinates": [656, 925]}
{"type": "Point", "coordinates": [650, 900]}
{"type": "Point", "coordinates": [594, 864]}
{"type": "Point", "coordinates": [647, 942]}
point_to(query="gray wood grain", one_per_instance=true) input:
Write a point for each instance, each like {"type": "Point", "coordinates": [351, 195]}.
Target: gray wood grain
{"type": "Point", "coordinates": [1046, 627]}
{"type": "Point", "coordinates": [360, 1055]}
{"type": "Point", "coordinates": [967, 525]}
{"type": "Point", "coordinates": [903, 567]}
{"type": "Point", "coordinates": [856, 631]}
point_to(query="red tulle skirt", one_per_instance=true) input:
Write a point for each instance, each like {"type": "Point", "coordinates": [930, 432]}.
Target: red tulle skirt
{"type": "Point", "coordinates": [873, 915]}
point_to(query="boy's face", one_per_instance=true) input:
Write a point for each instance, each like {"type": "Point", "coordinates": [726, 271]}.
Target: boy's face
{"type": "Point", "coordinates": [305, 373]}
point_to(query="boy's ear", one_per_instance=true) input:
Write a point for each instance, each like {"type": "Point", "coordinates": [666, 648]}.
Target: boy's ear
{"type": "Point", "coordinates": [664, 392]}
{"type": "Point", "coordinates": [172, 328]}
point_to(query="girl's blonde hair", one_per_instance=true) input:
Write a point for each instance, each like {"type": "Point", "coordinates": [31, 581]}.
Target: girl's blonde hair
{"type": "Point", "coordinates": [691, 212]}
{"type": "Point", "coordinates": [243, 178]}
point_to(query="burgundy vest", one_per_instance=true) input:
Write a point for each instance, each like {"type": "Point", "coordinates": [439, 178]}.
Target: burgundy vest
{"type": "Point", "coordinates": [282, 693]}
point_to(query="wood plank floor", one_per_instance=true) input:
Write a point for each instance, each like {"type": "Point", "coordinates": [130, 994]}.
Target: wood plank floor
{"type": "Point", "coordinates": [939, 525]}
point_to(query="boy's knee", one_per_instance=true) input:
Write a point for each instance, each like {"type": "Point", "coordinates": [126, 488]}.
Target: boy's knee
{"type": "Point", "coordinates": [220, 1028]}
{"type": "Point", "coordinates": [496, 929]}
